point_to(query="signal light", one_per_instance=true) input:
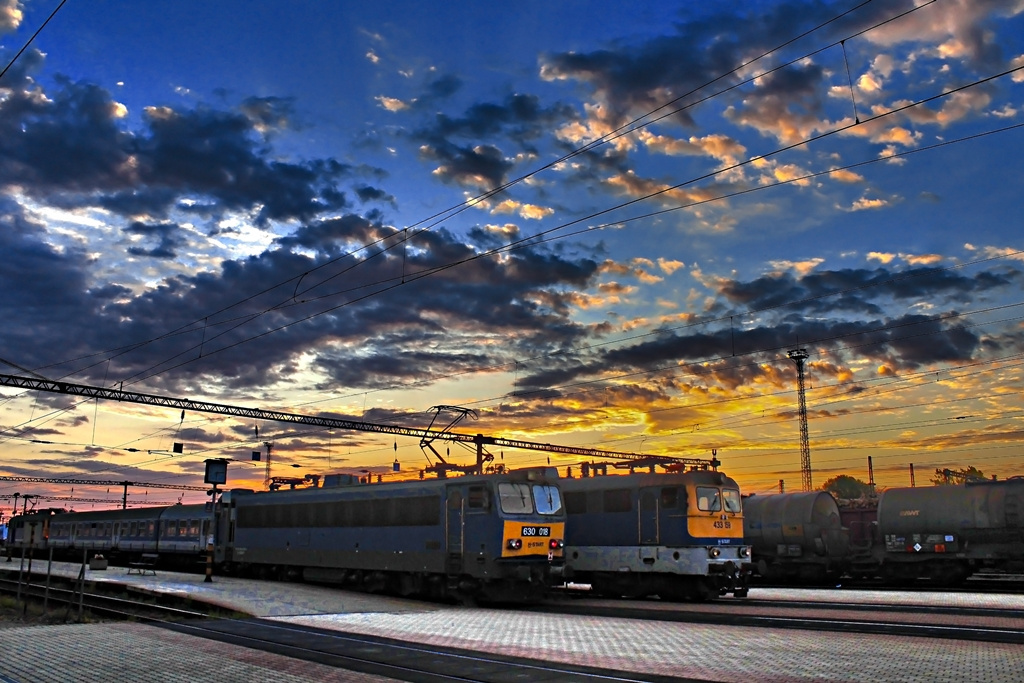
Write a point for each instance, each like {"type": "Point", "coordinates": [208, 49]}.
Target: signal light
{"type": "Point", "coordinates": [745, 551]}
{"type": "Point", "coordinates": [556, 544]}
{"type": "Point", "coordinates": [515, 543]}
{"type": "Point", "coordinates": [714, 552]}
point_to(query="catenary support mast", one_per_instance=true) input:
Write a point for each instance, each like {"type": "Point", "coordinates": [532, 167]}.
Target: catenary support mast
{"type": "Point", "coordinates": [798, 356]}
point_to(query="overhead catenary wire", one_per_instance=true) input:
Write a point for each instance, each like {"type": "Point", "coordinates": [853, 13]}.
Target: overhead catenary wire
{"type": "Point", "coordinates": [395, 282]}
{"type": "Point", "coordinates": [625, 128]}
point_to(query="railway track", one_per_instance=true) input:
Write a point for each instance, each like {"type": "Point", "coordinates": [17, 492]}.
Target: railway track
{"type": "Point", "coordinates": [112, 606]}
{"type": "Point", "coordinates": [983, 624]}
{"type": "Point", "coordinates": [378, 656]}
{"type": "Point", "coordinates": [401, 659]}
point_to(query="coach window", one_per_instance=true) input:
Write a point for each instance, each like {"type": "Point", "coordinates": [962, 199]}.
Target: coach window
{"type": "Point", "coordinates": [546, 499]}
{"type": "Point", "coordinates": [731, 498]}
{"type": "Point", "coordinates": [515, 498]}
{"type": "Point", "coordinates": [709, 499]}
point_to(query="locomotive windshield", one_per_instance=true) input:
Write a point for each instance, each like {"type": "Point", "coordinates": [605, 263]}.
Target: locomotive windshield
{"type": "Point", "coordinates": [547, 499]}
{"type": "Point", "coordinates": [515, 498]}
{"type": "Point", "coordinates": [518, 499]}
{"type": "Point", "coordinates": [709, 499]}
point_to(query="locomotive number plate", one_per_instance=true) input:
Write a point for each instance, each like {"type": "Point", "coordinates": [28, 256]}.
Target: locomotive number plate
{"type": "Point", "coordinates": [536, 531]}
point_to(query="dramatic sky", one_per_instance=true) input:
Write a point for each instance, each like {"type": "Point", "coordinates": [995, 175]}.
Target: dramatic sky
{"type": "Point", "coordinates": [593, 223]}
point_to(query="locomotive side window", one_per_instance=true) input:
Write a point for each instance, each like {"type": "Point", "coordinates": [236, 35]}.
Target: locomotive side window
{"type": "Point", "coordinates": [709, 499]}
{"type": "Point", "coordinates": [479, 498]}
{"type": "Point", "coordinates": [618, 500]}
{"type": "Point", "coordinates": [515, 498]}
{"type": "Point", "coordinates": [547, 499]}
{"type": "Point", "coordinates": [732, 500]}
{"type": "Point", "coordinates": [670, 497]}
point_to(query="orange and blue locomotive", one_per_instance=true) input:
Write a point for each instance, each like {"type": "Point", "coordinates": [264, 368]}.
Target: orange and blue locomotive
{"type": "Point", "coordinates": [494, 537]}
{"type": "Point", "coordinates": [675, 535]}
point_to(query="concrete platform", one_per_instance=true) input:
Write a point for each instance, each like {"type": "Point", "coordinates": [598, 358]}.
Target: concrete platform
{"type": "Point", "coordinates": [713, 653]}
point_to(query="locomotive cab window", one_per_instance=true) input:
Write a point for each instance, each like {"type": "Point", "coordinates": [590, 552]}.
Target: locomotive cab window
{"type": "Point", "coordinates": [547, 499]}
{"type": "Point", "coordinates": [670, 497]}
{"type": "Point", "coordinates": [731, 498]}
{"type": "Point", "coordinates": [515, 498]}
{"type": "Point", "coordinates": [709, 499]}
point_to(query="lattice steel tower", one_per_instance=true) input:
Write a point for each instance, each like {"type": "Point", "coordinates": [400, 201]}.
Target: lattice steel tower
{"type": "Point", "coordinates": [798, 356]}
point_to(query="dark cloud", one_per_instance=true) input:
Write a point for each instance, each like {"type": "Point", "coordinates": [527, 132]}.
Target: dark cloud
{"type": "Point", "coordinates": [861, 290]}
{"type": "Point", "coordinates": [374, 194]}
{"type": "Point", "coordinates": [67, 141]}
{"type": "Point", "coordinates": [269, 113]}
{"type": "Point", "coordinates": [337, 234]}
{"type": "Point", "coordinates": [630, 79]}
{"type": "Point", "coordinates": [445, 86]}
{"type": "Point", "coordinates": [165, 234]}
{"type": "Point", "coordinates": [494, 306]}
{"type": "Point", "coordinates": [812, 313]}
{"type": "Point", "coordinates": [71, 147]}
{"type": "Point", "coordinates": [521, 117]}
{"type": "Point", "coordinates": [481, 166]}
{"type": "Point", "coordinates": [480, 163]}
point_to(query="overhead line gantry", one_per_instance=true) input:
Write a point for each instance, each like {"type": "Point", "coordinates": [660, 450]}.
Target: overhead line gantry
{"type": "Point", "coordinates": [426, 435]}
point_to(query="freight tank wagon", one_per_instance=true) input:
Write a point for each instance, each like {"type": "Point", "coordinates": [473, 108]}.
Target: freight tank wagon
{"type": "Point", "coordinates": [947, 533]}
{"type": "Point", "coordinates": [675, 535]}
{"type": "Point", "coordinates": [796, 536]}
{"type": "Point", "coordinates": [493, 537]}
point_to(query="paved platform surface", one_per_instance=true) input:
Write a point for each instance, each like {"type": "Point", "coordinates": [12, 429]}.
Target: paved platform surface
{"type": "Point", "coordinates": [713, 653]}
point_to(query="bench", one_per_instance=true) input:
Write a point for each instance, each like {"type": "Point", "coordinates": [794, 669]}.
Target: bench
{"type": "Point", "coordinates": [145, 563]}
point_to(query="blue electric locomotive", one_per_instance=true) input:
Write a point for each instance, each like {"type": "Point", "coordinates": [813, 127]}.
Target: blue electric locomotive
{"type": "Point", "coordinates": [493, 537]}
{"type": "Point", "coordinates": [675, 535]}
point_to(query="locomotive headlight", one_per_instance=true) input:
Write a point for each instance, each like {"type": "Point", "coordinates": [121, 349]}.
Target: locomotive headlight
{"type": "Point", "coordinates": [714, 552]}
{"type": "Point", "coordinates": [745, 551]}
{"type": "Point", "coordinates": [556, 544]}
{"type": "Point", "coordinates": [515, 543]}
